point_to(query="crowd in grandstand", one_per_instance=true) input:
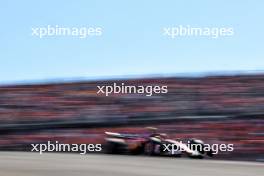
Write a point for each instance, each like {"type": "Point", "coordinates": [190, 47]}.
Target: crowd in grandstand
{"type": "Point", "coordinates": [186, 96]}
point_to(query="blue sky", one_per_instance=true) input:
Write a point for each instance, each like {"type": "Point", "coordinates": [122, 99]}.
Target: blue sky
{"type": "Point", "coordinates": [132, 42]}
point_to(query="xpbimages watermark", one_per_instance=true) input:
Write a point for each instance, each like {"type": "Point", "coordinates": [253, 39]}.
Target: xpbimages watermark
{"type": "Point", "coordinates": [79, 32]}
{"type": "Point", "coordinates": [177, 31]}
{"type": "Point", "coordinates": [214, 148]}
{"type": "Point", "coordinates": [61, 147]}
{"type": "Point", "coordinates": [122, 88]}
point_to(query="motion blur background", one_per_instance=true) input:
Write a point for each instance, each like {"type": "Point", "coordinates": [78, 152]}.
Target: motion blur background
{"type": "Point", "coordinates": [215, 86]}
{"type": "Point", "coordinates": [216, 109]}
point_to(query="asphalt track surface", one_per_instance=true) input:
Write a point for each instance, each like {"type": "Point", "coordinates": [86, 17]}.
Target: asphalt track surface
{"type": "Point", "coordinates": [58, 164]}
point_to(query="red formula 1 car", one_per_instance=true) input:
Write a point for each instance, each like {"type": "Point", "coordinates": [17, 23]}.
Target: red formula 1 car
{"type": "Point", "coordinates": [153, 144]}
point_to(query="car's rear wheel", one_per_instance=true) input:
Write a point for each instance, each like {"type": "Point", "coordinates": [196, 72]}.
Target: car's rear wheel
{"type": "Point", "coordinates": [149, 148]}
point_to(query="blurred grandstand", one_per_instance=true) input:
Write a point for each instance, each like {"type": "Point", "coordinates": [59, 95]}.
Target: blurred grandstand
{"type": "Point", "coordinates": [218, 109]}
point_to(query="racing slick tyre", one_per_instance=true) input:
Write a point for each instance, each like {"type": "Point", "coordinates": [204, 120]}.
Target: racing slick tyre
{"type": "Point", "coordinates": [114, 148]}
{"type": "Point", "coordinates": [149, 148]}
